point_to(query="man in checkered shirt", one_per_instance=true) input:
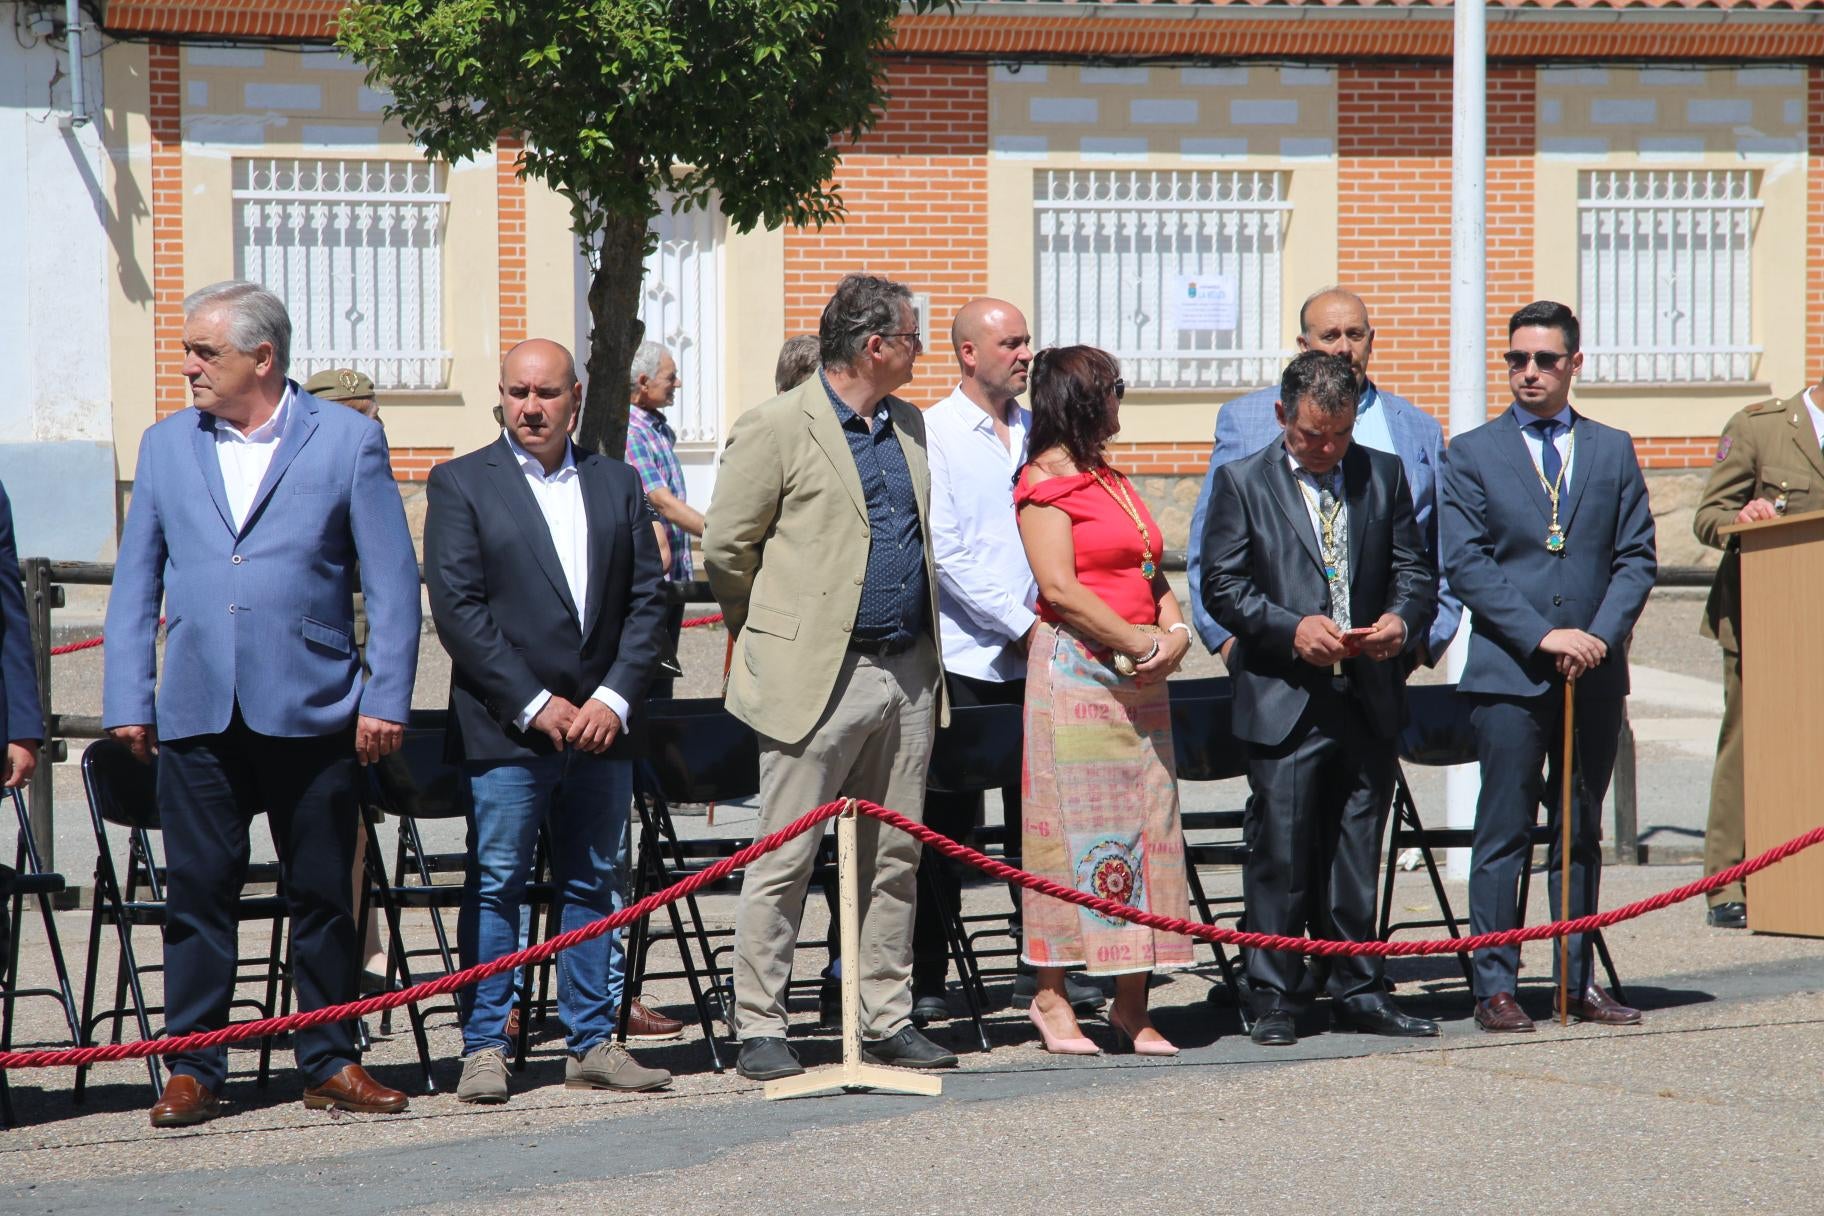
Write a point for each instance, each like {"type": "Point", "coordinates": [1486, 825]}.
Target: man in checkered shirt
{"type": "Point", "coordinates": [652, 384]}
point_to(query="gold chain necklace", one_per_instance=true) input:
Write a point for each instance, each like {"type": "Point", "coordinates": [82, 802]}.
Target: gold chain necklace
{"type": "Point", "coordinates": [1148, 568]}
{"type": "Point", "coordinates": [1326, 526]}
{"type": "Point", "coordinates": [1554, 535]}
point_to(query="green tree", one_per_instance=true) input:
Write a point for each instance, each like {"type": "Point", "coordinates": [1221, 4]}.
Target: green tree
{"type": "Point", "coordinates": [619, 101]}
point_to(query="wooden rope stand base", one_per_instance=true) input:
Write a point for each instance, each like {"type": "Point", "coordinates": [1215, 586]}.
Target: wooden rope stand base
{"type": "Point", "coordinates": [852, 1073]}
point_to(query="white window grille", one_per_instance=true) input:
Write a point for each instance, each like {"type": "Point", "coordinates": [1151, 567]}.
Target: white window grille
{"type": "Point", "coordinates": [681, 305]}
{"type": "Point", "coordinates": [1664, 271]}
{"type": "Point", "coordinates": [1111, 245]}
{"type": "Point", "coordinates": [355, 249]}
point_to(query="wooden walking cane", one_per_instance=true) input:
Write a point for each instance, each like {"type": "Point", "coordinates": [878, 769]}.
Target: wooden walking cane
{"type": "Point", "coordinates": [1564, 849]}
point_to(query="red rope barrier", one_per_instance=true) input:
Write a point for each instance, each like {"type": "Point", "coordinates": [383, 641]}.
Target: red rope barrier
{"type": "Point", "coordinates": [714, 618]}
{"type": "Point", "coordinates": [240, 1031]}
{"type": "Point", "coordinates": [1304, 945]}
{"type": "Point", "coordinates": [85, 643]}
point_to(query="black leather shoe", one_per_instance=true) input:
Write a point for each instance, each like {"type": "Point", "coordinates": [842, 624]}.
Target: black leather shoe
{"type": "Point", "coordinates": [1727, 916]}
{"type": "Point", "coordinates": [930, 1008]}
{"type": "Point", "coordinates": [1086, 997]}
{"type": "Point", "coordinates": [767, 1059]}
{"type": "Point", "coordinates": [829, 1003]}
{"type": "Point", "coordinates": [1274, 1028]}
{"type": "Point", "coordinates": [1383, 1017]}
{"type": "Point", "coordinates": [907, 1049]}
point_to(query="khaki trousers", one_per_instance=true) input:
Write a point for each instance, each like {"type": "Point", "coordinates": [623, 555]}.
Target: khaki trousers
{"type": "Point", "coordinates": [1725, 835]}
{"type": "Point", "coordinates": [873, 742]}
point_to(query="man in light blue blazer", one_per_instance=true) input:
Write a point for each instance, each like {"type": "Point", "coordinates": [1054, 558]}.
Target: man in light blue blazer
{"type": "Point", "coordinates": [1549, 539]}
{"type": "Point", "coordinates": [1335, 321]}
{"type": "Point", "coordinates": [250, 513]}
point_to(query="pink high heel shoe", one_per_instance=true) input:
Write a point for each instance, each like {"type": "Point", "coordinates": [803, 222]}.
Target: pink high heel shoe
{"type": "Point", "coordinates": [1125, 1039]}
{"type": "Point", "coordinates": [1078, 1046]}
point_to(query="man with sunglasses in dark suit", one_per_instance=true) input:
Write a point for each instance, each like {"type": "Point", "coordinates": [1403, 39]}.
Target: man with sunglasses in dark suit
{"type": "Point", "coordinates": [1549, 542]}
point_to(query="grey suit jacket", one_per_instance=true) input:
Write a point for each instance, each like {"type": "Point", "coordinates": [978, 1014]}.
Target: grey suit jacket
{"type": "Point", "coordinates": [1247, 424]}
{"type": "Point", "coordinates": [1265, 574]}
{"type": "Point", "coordinates": [1494, 515]}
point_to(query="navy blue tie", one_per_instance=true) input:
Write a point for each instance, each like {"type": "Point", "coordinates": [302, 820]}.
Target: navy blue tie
{"type": "Point", "coordinates": [1550, 463]}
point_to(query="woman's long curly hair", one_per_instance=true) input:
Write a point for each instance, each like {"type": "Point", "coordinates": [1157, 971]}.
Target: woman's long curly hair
{"type": "Point", "coordinates": [1069, 388]}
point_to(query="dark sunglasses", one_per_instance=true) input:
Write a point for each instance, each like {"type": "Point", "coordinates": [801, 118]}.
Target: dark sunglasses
{"type": "Point", "coordinates": [1120, 388]}
{"type": "Point", "coordinates": [1548, 360]}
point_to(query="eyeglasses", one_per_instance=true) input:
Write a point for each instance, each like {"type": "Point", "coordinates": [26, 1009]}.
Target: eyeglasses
{"type": "Point", "coordinates": [1547, 360]}
{"type": "Point", "coordinates": [918, 343]}
{"type": "Point", "coordinates": [1120, 388]}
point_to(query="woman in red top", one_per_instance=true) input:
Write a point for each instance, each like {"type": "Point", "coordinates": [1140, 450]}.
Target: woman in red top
{"type": "Point", "coordinates": [1100, 793]}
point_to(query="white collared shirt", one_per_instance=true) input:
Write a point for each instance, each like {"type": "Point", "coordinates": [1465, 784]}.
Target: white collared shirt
{"type": "Point", "coordinates": [245, 458]}
{"type": "Point", "coordinates": [1817, 417]}
{"type": "Point", "coordinates": [985, 588]}
{"type": "Point", "coordinates": [1560, 440]}
{"type": "Point", "coordinates": [560, 500]}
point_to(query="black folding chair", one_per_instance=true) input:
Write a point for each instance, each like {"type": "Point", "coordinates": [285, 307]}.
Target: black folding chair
{"type": "Point", "coordinates": [1438, 733]}
{"type": "Point", "coordinates": [981, 750]}
{"type": "Point", "coordinates": [121, 791]}
{"type": "Point", "coordinates": [1205, 748]}
{"type": "Point", "coordinates": [29, 879]}
{"type": "Point", "coordinates": [696, 752]}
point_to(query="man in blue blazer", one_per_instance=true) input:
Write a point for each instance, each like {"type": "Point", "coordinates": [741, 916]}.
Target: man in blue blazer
{"type": "Point", "coordinates": [1335, 321]}
{"type": "Point", "coordinates": [250, 512]}
{"type": "Point", "coordinates": [1549, 541]}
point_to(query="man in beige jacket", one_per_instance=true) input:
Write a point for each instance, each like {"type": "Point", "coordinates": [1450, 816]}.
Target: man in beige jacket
{"type": "Point", "coordinates": [818, 550]}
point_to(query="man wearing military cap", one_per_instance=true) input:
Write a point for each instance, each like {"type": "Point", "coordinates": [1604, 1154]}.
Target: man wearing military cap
{"type": "Point", "coordinates": [1769, 462]}
{"type": "Point", "coordinates": [352, 388]}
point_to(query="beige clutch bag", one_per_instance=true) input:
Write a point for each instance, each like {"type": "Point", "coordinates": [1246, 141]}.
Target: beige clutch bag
{"type": "Point", "coordinates": [1125, 666]}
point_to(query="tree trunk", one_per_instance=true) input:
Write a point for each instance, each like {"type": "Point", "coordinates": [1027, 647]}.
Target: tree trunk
{"type": "Point", "coordinates": [615, 333]}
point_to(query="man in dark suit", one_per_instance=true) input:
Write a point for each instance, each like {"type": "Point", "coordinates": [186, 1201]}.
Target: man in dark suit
{"type": "Point", "coordinates": [1548, 539]}
{"type": "Point", "coordinates": [1316, 565]}
{"type": "Point", "coordinates": [18, 669]}
{"type": "Point", "coordinates": [250, 513]}
{"type": "Point", "coordinates": [543, 572]}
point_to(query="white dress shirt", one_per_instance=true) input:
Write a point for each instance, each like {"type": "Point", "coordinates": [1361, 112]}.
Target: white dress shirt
{"type": "Point", "coordinates": [1560, 440]}
{"type": "Point", "coordinates": [560, 500]}
{"type": "Point", "coordinates": [985, 588]}
{"type": "Point", "coordinates": [244, 458]}
{"type": "Point", "coordinates": [1817, 417]}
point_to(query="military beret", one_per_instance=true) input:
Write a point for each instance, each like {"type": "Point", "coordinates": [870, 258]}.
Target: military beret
{"type": "Point", "coordinates": [340, 384]}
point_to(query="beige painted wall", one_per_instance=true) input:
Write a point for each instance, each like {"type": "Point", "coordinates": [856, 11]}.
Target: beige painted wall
{"type": "Point", "coordinates": [127, 135]}
{"type": "Point", "coordinates": [1666, 118]}
{"type": "Point", "coordinates": [1233, 118]}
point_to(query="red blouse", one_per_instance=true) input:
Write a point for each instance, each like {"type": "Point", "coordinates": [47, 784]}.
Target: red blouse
{"type": "Point", "coordinates": [1106, 541]}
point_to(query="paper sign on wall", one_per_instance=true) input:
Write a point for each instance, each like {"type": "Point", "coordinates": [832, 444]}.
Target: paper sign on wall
{"type": "Point", "coordinates": [1206, 302]}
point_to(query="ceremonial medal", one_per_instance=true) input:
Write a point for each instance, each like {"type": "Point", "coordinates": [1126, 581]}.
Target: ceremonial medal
{"type": "Point", "coordinates": [1149, 569]}
{"type": "Point", "coordinates": [1554, 535]}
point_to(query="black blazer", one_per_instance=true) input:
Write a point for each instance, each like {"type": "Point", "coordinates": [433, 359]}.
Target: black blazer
{"type": "Point", "coordinates": [504, 611]}
{"type": "Point", "coordinates": [1263, 574]}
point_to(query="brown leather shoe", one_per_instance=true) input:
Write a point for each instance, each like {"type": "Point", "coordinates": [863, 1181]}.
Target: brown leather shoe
{"type": "Point", "coordinates": [647, 1026]}
{"type": "Point", "coordinates": [1599, 1007]}
{"type": "Point", "coordinates": [512, 1030]}
{"type": "Point", "coordinates": [1501, 1014]}
{"type": "Point", "coordinates": [184, 1102]}
{"type": "Point", "coordinates": [352, 1089]}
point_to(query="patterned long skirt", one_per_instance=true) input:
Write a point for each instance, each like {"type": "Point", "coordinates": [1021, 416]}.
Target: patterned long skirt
{"type": "Point", "coordinates": [1100, 812]}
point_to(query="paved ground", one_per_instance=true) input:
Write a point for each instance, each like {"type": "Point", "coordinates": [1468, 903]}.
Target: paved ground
{"type": "Point", "coordinates": [1716, 1100]}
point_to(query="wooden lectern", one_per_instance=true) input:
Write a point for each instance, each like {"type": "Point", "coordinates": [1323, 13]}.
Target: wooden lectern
{"type": "Point", "coordinates": [1782, 722]}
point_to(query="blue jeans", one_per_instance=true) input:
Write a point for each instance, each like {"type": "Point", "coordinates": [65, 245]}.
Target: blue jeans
{"type": "Point", "coordinates": [585, 800]}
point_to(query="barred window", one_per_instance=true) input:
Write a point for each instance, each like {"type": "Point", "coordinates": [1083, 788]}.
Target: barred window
{"type": "Point", "coordinates": [681, 306]}
{"type": "Point", "coordinates": [1118, 249]}
{"type": "Point", "coordinates": [1664, 271]}
{"type": "Point", "coordinates": [355, 249]}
